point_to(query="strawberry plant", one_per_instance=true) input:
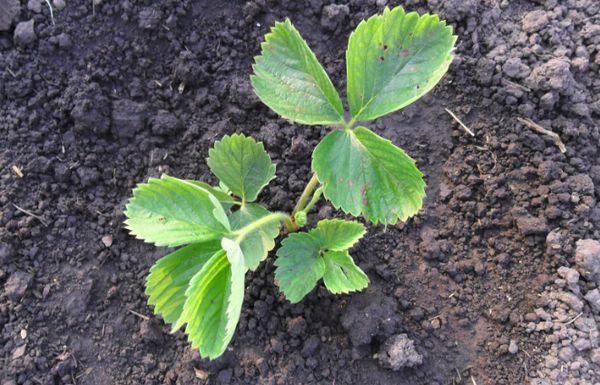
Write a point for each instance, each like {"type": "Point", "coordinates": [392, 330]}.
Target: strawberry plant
{"type": "Point", "coordinates": [392, 60]}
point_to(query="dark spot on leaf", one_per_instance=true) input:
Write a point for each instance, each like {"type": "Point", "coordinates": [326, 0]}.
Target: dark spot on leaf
{"type": "Point", "coordinates": [162, 219]}
{"type": "Point", "coordinates": [381, 58]}
{"type": "Point", "coordinates": [385, 47]}
{"type": "Point", "coordinates": [405, 53]}
{"type": "Point", "coordinates": [418, 86]}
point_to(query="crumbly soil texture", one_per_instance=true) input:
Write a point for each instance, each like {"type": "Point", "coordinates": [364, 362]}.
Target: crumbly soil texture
{"type": "Point", "coordinates": [495, 281]}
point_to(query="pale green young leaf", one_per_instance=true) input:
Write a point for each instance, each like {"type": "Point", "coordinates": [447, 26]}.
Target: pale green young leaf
{"type": "Point", "coordinates": [213, 305]}
{"type": "Point", "coordinates": [290, 80]}
{"type": "Point", "coordinates": [242, 164]}
{"type": "Point", "coordinates": [173, 212]}
{"type": "Point", "coordinates": [170, 276]}
{"type": "Point", "coordinates": [393, 59]}
{"type": "Point", "coordinates": [257, 244]}
{"type": "Point", "coordinates": [362, 173]}
{"type": "Point", "coordinates": [337, 234]}
{"type": "Point", "coordinates": [341, 274]}
{"type": "Point", "coordinates": [299, 265]}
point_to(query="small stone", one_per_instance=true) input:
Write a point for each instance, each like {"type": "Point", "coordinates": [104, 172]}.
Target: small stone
{"type": "Point", "coordinates": [513, 348]}
{"type": "Point", "coordinates": [149, 18]}
{"type": "Point", "coordinates": [593, 298]}
{"type": "Point", "coordinates": [16, 285]}
{"type": "Point", "coordinates": [34, 6]}
{"type": "Point", "coordinates": [10, 11]}
{"type": "Point", "coordinates": [399, 352]}
{"type": "Point", "coordinates": [587, 259]}
{"type": "Point", "coordinates": [24, 33]}
{"type": "Point", "coordinates": [595, 356]}
{"type": "Point", "coordinates": [202, 375]}
{"type": "Point", "coordinates": [59, 4]}
{"type": "Point", "coordinates": [107, 240]}
{"type": "Point", "coordinates": [534, 21]}
{"type": "Point", "coordinates": [19, 352]}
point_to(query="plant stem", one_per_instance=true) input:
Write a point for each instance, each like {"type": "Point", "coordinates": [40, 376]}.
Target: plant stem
{"type": "Point", "coordinates": [310, 186]}
{"type": "Point", "coordinates": [273, 217]}
{"type": "Point", "coordinates": [315, 198]}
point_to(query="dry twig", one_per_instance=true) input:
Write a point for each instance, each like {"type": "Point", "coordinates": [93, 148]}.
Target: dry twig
{"type": "Point", "coordinates": [139, 315]}
{"type": "Point", "coordinates": [27, 212]}
{"type": "Point", "coordinates": [464, 126]}
{"type": "Point", "coordinates": [541, 130]}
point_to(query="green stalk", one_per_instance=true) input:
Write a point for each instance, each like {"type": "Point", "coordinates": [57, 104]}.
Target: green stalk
{"type": "Point", "coordinates": [273, 217]}
{"type": "Point", "coordinates": [310, 186]}
{"type": "Point", "coordinates": [315, 198]}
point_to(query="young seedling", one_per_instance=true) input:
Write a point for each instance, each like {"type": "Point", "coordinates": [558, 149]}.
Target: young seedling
{"type": "Point", "coordinates": [392, 60]}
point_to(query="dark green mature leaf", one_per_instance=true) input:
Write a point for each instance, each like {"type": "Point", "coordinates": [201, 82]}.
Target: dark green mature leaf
{"type": "Point", "coordinates": [173, 212]}
{"type": "Point", "coordinates": [290, 80]}
{"type": "Point", "coordinates": [341, 274]}
{"type": "Point", "coordinates": [170, 276]}
{"type": "Point", "coordinates": [362, 173]}
{"type": "Point", "coordinates": [299, 265]}
{"type": "Point", "coordinates": [393, 59]}
{"type": "Point", "coordinates": [242, 164]}
{"type": "Point", "coordinates": [257, 244]}
{"type": "Point", "coordinates": [214, 301]}
{"type": "Point", "coordinates": [337, 234]}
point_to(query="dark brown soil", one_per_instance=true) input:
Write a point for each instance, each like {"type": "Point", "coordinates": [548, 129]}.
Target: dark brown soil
{"type": "Point", "coordinates": [119, 91]}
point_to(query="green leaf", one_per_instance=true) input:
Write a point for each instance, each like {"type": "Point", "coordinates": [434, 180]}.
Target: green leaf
{"type": "Point", "coordinates": [227, 201]}
{"type": "Point", "coordinates": [299, 265]}
{"type": "Point", "coordinates": [337, 234]}
{"type": "Point", "coordinates": [169, 278]}
{"type": "Point", "coordinates": [362, 173]}
{"type": "Point", "coordinates": [214, 302]}
{"type": "Point", "coordinates": [290, 80]}
{"type": "Point", "coordinates": [172, 212]}
{"type": "Point", "coordinates": [242, 164]}
{"type": "Point", "coordinates": [257, 244]}
{"type": "Point", "coordinates": [393, 59]}
{"type": "Point", "coordinates": [341, 274]}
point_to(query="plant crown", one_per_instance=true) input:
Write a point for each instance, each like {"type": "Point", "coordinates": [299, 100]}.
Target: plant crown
{"type": "Point", "coordinates": [392, 60]}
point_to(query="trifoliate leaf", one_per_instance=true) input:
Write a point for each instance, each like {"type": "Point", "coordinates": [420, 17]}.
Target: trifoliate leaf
{"type": "Point", "coordinates": [362, 173]}
{"type": "Point", "coordinates": [213, 305]}
{"type": "Point", "coordinates": [226, 200]}
{"type": "Point", "coordinates": [299, 265]}
{"type": "Point", "coordinates": [337, 234]}
{"type": "Point", "coordinates": [341, 274]}
{"type": "Point", "coordinates": [172, 212]}
{"type": "Point", "coordinates": [242, 164]}
{"type": "Point", "coordinates": [257, 244]}
{"type": "Point", "coordinates": [290, 80]}
{"type": "Point", "coordinates": [170, 276]}
{"type": "Point", "coordinates": [393, 59]}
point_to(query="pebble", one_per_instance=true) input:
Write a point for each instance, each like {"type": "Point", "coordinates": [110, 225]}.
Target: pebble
{"type": "Point", "coordinates": [16, 285]}
{"type": "Point", "coordinates": [24, 33]}
{"type": "Point", "coordinates": [513, 348]}
{"type": "Point", "coordinates": [587, 259]}
{"type": "Point", "coordinates": [34, 6]}
{"type": "Point", "coordinates": [59, 4]}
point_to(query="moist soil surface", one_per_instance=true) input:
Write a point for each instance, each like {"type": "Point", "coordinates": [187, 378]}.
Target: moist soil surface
{"type": "Point", "coordinates": [490, 283]}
